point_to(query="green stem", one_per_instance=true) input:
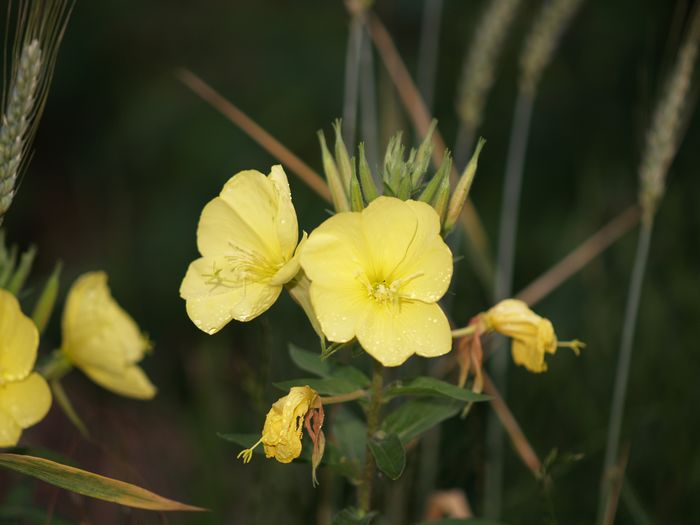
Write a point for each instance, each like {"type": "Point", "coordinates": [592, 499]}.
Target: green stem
{"type": "Point", "coordinates": [623, 366]}
{"type": "Point", "coordinates": [56, 366]}
{"type": "Point", "coordinates": [364, 490]}
{"type": "Point", "coordinates": [461, 332]}
{"type": "Point", "coordinates": [350, 396]}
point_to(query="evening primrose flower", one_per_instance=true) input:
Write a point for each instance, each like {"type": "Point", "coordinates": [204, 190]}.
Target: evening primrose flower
{"type": "Point", "coordinates": [282, 432]}
{"type": "Point", "coordinates": [25, 397]}
{"type": "Point", "coordinates": [533, 336]}
{"type": "Point", "coordinates": [248, 240]}
{"type": "Point", "coordinates": [377, 275]}
{"type": "Point", "coordinates": [101, 339]}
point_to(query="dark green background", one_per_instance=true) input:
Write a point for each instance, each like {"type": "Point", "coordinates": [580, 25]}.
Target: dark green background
{"type": "Point", "coordinates": [126, 157]}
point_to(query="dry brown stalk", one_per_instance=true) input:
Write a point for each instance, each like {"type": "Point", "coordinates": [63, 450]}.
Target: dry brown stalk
{"type": "Point", "coordinates": [256, 132]}
{"type": "Point", "coordinates": [522, 445]}
{"type": "Point", "coordinates": [616, 482]}
{"type": "Point", "coordinates": [580, 256]}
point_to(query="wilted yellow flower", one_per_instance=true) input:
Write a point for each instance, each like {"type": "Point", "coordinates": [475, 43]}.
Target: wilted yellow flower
{"type": "Point", "coordinates": [377, 275]}
{"type": "Point", "coordinates": [101, 339]}
{"type": "Point", "coordinates": [533, 336]}
{"type": "Point", "coordinates": [247, 237]}
{"type": "Point", "coordinates": [25, 397]}
{"type": "Point", "coordinates": [281, 435]}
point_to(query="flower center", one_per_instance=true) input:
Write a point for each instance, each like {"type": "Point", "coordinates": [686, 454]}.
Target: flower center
{"type": "Point", "coordinates": [385, 293]}
{"type": "Point", "coordinates": [241, 266]}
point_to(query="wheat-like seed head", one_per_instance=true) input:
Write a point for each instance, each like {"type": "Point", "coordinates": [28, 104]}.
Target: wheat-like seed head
{"type": "Point", "coordinates": [478, 73]}
{"type": "Point", "coordinates": [543, 39]}
{"type": "Point", "coordinates": [665, 132]}
{"type": "Point", "coordinates": [40, 25]}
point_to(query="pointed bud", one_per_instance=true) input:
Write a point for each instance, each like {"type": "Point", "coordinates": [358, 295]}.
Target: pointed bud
{"type": "Point", "coordinates": [335, 184]}
{"type": "Point", "coordinates": [369, 186]}
{"type": "Point", "coordinates": [342, 158]}
{"type": "Point", "coordinates": [442, 196]}
{"type": "Point", "coordinates": [430, 190]}
{"type": "Point", "coordinates": [459, 196]}
{"type": "Point", "coordinates": [47, 300]}
{"type": "Point", "coordinates": [22, 272]}
{"type": "Point", "coordinates": [422, 158]}
{"type": "Point", "coordinates": [356, 202]}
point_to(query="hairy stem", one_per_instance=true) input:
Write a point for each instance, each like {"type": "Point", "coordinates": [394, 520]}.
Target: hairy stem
{"type": "Point", "coordinates": [364, 490]}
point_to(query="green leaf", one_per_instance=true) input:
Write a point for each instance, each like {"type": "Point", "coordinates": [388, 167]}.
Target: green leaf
{"type": "Point", "coordinates": [418, 415]}
{"type": "Point", "coordinates": [244, 440]}
{"type": "Point", "coordinates": [353, 516]}
{"type": "Point", "coordinates": [326, 387]}
{"type": "Point", "coordinates": [89, 484]}
{"type": "Point", "coordinates": [389, 455]}
{"type": "Point", "coordinates": [314, 363]}
{"type": "Point", "coordinates": [429, 386]}
{"type": "Point", "coordinates": [64, 402]}
{"type": "Point", "coordinates": [461, 521]}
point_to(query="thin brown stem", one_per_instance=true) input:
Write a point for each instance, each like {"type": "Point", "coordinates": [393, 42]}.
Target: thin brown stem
{"type": "Point", "coordinates": [580, 256]}
{"type": "Point", "coordinates": [256, 132]}
{"type": "Point", "coordinates": [522, 446]}
{"type": "Point", "coordinates": [364, 489]}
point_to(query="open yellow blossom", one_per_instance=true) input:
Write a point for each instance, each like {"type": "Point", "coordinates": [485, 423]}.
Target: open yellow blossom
{"type": "Point", "coordinates": [377, 275]}
{"type": "Point", "coordinates": [25, 397]}
{"type": "Point", "coordinates": [101, 339]}
{"type": "Point", "coordinates": [533, 336]}
{"type": "Point", "coordinates": [281, 435]}
{"type": "Point", "coordinates": [247, 237]}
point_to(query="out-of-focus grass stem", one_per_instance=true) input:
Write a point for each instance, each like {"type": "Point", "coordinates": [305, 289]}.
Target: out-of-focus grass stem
{"type": "Point", "coordinates": [427, 50]}
{"type": "Point", "coordinates": [540, 46]}
{"type": "Point", "coordinates": [352, 75]}
{"type": "Point", "coordinates": [662, 142]}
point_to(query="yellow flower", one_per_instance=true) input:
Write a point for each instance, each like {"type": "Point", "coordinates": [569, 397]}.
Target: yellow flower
{"type": "Point", "coordinates": [377, 275]}
{"type": "Point", "coordinates": [533, 336]}
{"type": "Point", "coordinates": [25, 397]}
{"type": "Point", "coordinates": [281, 435]}
{"type": "Point", "coordinates": [101, 339]}
{"type": "Point", "coordinates": [247, 237]}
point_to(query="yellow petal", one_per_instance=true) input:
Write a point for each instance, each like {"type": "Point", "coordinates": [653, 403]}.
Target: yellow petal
{"type": "Point", "coordinates": [286, 218]}
{"type": "Point", "coordinates": [390, 227]}
{"type": "Point", "coordinates": [10, 431]}
{"type": "Point", "coordinates": [281, 436]}
{"type": "Point", "coordinates": [19, 340]}
{"type": "Point", "coordinates": [392, 335]}
{"type": "Point", "coordinates": [130, 382]}
{"type": "Point", "coordinates": [339, 309]}
{"type": "Point", "coordinates": [427, 266]}
{"type": "Point", "coordinates": [336, 252]}
{"type": "Point", "coordinates": [527, 355]}
{"type": "Point", "coordinates": [291, 268]}
{"type": "Point", "coordinates": [212, 304]}
{"type": "Point", "coordinates": [96, 330]}
{"type": "Point", "coordinates": [249, 214]}
{"type": "Point", "coordinates": [26, 401]}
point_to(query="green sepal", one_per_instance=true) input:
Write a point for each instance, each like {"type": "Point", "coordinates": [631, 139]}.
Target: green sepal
{"type": "Point", "coordinates": [369, 186]}
{"type": "Point", "coordinates": [335, 184]}
{"type": "Point", "coordinates": [19, 277]}
{"type": "Point", "coordinates": [43, 309]}
{"type": "Point", "coordinates": [422, 157]}
{"type": "Point", "coordinates": [342, 158]}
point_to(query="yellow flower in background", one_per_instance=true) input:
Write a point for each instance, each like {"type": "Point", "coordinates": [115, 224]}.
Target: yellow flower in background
{"type": "Point", "coordinates": [25, 397]}
{"type": "Point", "coordinates": [377, 275]}
{"type": "Point", "coordinates": [533, 336]}
{"type": "Point", "coordinates": [281, 435]}
{"type": "Point", "coordinates": [101, 339]}
{"type": "Point", "coordinates": [247, 237]}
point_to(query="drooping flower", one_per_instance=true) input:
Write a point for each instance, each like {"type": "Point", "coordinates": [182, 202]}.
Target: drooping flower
{"type": "Point", "coordinates": [25, 397]}
{"type": "Point", "coordinates": [282, 432]}
{"type": "Point", "coordinates": [101, 339]}
{"type": "Point", "coordinates": [247, 237]}
{"type": "Point", "coordinates": [533, 336]}
{"type": "Point", "coordinates": [377, 275]}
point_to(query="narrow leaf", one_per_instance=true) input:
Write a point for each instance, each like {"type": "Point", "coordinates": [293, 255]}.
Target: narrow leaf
{"type": "Point", "coordinates": [64, 402]}
{"type": "Point", "coordinates": [89, 484]}
{"type": "Point", "coordinates": [416, 416]}
{"type": "Point", "coordinates": [22, 272]}
{"type": "Point", "coordinates": [47, 300]}
{"type": "Point", "coordinates": [389, 455]}
{"type": "Point", "coordinates": [429, 386]}
{"type": "Point", "coordinates": [314, 363]}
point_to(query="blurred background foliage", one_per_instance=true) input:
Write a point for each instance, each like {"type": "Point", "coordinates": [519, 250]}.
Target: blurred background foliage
{"type": "Point", "coordinates": [126, 157]}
